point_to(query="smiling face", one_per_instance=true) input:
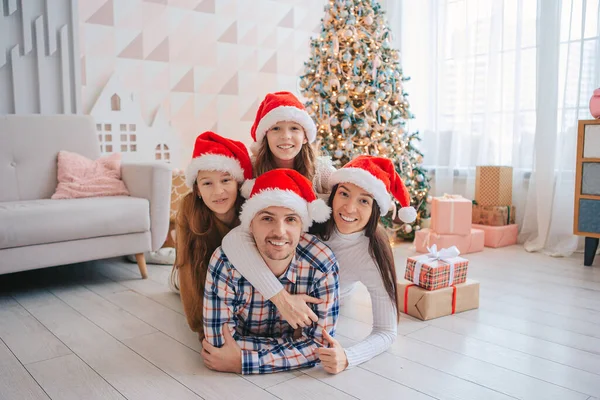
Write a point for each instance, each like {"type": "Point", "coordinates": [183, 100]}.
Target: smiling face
{"type": "Point", "coordinates": [285, 140]}
{"type": "Point", "coordinates": [218, 190]}
{"type": "Point", "coordinates": [276, 231]}
{"type": "Point", "coordinates": [352, 207]}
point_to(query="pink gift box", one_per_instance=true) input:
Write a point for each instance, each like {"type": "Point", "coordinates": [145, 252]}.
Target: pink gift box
{"type": "Point", "coordinates": [499, 236]}
{"type": "Point", "coordinates": [471, 243]}
{"type": "Point", "coordinates": [451, 214]}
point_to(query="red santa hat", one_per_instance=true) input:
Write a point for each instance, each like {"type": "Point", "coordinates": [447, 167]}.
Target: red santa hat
{"type": "Point", "coordinates": [377, 176]}
{"type": "Point", "coordinates": [213, 152]}
{"type": "Point", "coordinates": [283, 187]}
{"type": "Point", "coordinates": [277, 107]}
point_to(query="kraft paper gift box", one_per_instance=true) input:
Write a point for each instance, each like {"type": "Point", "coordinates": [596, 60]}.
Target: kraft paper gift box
{"type": "Point", "coordinates": [438, 269]}
{"type": "Point", "coordinates": [451, 214]}
{"type": "Point", "coordinates": [471, 243]}
{"type": "Point", "coordinates": [499, 236]}
{"type": "Point", "coordinates": [493, 215]}
{"type": "Point", "coordinates": [493, 186]}
{"type": "Point", "coordinates": [428, 304]}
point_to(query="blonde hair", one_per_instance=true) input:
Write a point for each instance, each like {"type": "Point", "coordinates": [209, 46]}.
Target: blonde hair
{"type": "Point", "coordinates": [304, 162]}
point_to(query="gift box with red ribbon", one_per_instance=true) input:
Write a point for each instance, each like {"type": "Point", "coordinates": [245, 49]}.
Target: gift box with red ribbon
{"type": "Point", "coordinates": [437, 269]}
{"type": "Point", "coordinates": [428, 304]}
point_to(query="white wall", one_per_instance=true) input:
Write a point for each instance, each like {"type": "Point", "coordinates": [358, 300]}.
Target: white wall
{"type": "Point", "coordinates": [39, 57]}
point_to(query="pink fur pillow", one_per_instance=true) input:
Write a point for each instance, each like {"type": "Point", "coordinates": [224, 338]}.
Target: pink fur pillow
{"type": "Point", "coordinates": [79, 177]}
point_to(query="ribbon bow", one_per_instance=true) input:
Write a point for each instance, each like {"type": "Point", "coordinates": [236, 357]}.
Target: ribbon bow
{"type": "Point", "coordinates": [447, 196]}
{"type": "Point", "coordinates": [445, 255]}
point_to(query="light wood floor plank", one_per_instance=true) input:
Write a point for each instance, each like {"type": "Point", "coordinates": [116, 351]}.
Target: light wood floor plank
{"type": "Point", "coordinates": [516, 341]}
{"type": "Point", "coordinates": [305, 387]}
{"type": "Point", "coordinates": [125, 370]}
{"type": "Point", "coordinates": [485, 374]}
{"type": "Point", "coordinates": [186, 366]}
{"type": "Point", "coordinates": [15, 381]}
{"type": "Point", "coordinates": [364, 384]}
{"type": "Point", "coordinates": [69, 378]}
{"type": "Point", "coordinates": [548, 371]}
{"type": "Point", "coordinates": [27, 339]}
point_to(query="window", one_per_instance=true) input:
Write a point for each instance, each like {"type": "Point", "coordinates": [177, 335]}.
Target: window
{"type": "Point", "coordinates": [115, 103]}
{"type": "Point", "coordinates": [162, 152]}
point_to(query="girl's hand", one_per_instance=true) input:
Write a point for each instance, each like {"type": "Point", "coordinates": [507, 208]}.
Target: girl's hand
{"type": "Point", "coordinates": [294, 310]}
{"type": "Point", "coordinates": [333, 358]}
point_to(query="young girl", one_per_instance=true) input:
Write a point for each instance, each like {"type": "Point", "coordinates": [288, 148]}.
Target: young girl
{"type": "Point", "coordinates": [206, 215]}
{"type": "Point", "coordinates": [283, 134]}
{"type": "Point", "coordinates": [361, 193]}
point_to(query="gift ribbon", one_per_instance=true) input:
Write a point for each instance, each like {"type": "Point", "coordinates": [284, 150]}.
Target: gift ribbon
{"type": "Point", "coordinates": [447, 196]}
{"type": "Point", "coordinates": [444, 255]}
{"type": "Point", "coordinates": [411, 285]}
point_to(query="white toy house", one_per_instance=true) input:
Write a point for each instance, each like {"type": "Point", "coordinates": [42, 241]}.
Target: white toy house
{"type": "Point", "coordinates": [121, 128]}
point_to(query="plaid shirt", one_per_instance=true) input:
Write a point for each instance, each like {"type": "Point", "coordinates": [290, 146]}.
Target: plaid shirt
{"type": "Point", "coordinates": [266, 340]}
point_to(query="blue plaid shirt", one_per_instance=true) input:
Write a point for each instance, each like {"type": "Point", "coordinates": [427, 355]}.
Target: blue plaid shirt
{"type": "Point", "coordinates": [267, 340]}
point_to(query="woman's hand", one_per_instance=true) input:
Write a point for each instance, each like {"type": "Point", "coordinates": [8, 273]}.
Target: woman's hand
{"type": "Point", "coordinates": [333, 358]}
{"type": "Point", "coordinates": [227, 358]}
{"type": "Point", "coordinates": [294, 310]}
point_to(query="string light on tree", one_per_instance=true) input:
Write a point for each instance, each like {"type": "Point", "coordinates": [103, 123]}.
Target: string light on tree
{"type": "Point", "coordinates": [355, 90]}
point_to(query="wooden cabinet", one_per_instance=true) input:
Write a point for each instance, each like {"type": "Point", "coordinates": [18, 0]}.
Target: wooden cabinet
{"type": "Point", "coordinates": [587, 187]}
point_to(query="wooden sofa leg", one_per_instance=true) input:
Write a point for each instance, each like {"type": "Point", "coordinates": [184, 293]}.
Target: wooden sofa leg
{"type": "Point", "coordinates": [141, 262]}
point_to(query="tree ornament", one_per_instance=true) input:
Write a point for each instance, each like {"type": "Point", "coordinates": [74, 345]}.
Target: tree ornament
{"type": "Point", "coordinates": [345, 123]}
{"type": "Point", "coordinates": [338, 153]}
{"type": "Point", "coordinates": [368, 20]}
{"type": "Point", "coordinates": [408, 228]}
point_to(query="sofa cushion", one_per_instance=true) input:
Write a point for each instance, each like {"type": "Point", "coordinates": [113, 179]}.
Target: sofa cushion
{"type": "Point", "coordinates": [29, 222]}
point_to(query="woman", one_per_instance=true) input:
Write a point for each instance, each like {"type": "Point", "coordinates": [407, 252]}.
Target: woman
{"type": "Point", "coordinates": [361, 193]}
{"type": "Point", "coordinates": [218, 167]}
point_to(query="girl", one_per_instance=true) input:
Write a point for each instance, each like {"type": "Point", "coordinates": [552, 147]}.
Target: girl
{"type": "Point", "coordinates": [361, 193]}
{"type": "Point", "coordinates": [283, 134]}
{"type": "Point", "coordinates": [206, 215]}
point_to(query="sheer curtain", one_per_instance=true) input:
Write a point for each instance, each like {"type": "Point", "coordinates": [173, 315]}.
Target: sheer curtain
{"type": "Point", "coordinates": [503, 82]}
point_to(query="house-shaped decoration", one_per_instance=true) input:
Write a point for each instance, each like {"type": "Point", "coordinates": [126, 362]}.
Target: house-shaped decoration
{"type": "Point", "coordinates": [121, 127]}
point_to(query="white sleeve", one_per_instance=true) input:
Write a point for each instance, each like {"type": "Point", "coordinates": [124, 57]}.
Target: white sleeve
{"type": "Point", "coordinates": [240, 249]}
{"type": "Point", "coordinates": [385, 323]}
{"type": "Point", "coordinates": [323, 170]}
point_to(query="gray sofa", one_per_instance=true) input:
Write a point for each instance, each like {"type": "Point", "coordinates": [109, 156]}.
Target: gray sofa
{"type": "Point", "coordinates": [37, 232]}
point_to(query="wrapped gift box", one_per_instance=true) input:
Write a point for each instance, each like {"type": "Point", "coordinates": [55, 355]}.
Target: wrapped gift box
{"type": "Point", "coordinates": [493, 186]}
{"type": "Point", "coordinates": [499, 236]}
{"type": "Point", "coordinates": [493, 215]}
{"type": "Point", "coordinates": [451, 214]}
{"type": "Point", "coordinates": [436, 270]}
{"type": "Point", "coordinates": [471, 243]}
{"type": "Point", "coordinates": [429, 304]}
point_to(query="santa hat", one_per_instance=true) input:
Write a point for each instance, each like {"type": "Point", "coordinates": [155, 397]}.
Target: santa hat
{"type": "Point", "coordinates": [277, 107]}
{"type": "Point", "coordinates": [377, 176]}
{"type": "Point", "coordinates": [283, 187]}
{"type": "Point", "coordinates": [213, 152]}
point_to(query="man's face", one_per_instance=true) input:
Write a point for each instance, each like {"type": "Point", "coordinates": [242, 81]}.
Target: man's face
{"type": "Point", "coordinates": [276, 231]}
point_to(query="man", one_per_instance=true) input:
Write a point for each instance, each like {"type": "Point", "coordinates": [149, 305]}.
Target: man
{"type": "Point", "coordinates": [244, 332]}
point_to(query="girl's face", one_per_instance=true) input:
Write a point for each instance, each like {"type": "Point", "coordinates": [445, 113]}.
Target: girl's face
{"type": "Point", "coordinates": [218, 190]}
{"type": "Point", "coordinates": [352, 207]}
{"type": "Point", "coordinates": [285, 140]}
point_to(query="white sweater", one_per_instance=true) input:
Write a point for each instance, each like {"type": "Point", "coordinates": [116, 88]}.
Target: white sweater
{"type": "Point", "coordinates": [356, 265]}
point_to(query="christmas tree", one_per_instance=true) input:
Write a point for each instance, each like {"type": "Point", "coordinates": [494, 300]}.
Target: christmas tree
{"type": "Point", "coordinates": [353, 84]}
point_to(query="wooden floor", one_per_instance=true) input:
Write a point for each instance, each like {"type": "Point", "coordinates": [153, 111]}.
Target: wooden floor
{"type": "Point", "coordinates": [97, 331]}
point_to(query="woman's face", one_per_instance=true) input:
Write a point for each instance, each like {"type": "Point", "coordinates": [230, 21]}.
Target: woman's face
{"type": "Point", "coordinates": [352, 207]}
{"type": "Point", "coordinates": [218, 190]}
{"type": "Point", "coordinates": [285, 140]}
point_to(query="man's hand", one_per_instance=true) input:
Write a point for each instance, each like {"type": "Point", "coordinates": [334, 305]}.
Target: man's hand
{"type": "Point", "coordinates": [333, 358]}
{"type": "Point", "coordinates": [227, 358]}
{"type": "Point", "coordinates": [294, 310]}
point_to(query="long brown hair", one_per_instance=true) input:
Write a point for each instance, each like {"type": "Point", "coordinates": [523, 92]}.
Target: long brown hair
{"type": "Point", "coordinates": [379, 247]}
{"type": "Point", "coordinates": [198, 236]}
{"type": "Point", "coordinates": [304, 162]}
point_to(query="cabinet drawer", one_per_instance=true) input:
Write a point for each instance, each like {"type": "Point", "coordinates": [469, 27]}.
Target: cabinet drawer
{"type": "Point", "coordinates": [589, 216]}
{"type": "Point", "coordinates": [591, 143]}
{"type": "Point", "coordinates": [590, 180]}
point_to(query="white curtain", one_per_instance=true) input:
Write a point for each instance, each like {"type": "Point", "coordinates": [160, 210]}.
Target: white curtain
{"type": "Point", "coordinates": [503, 82]}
